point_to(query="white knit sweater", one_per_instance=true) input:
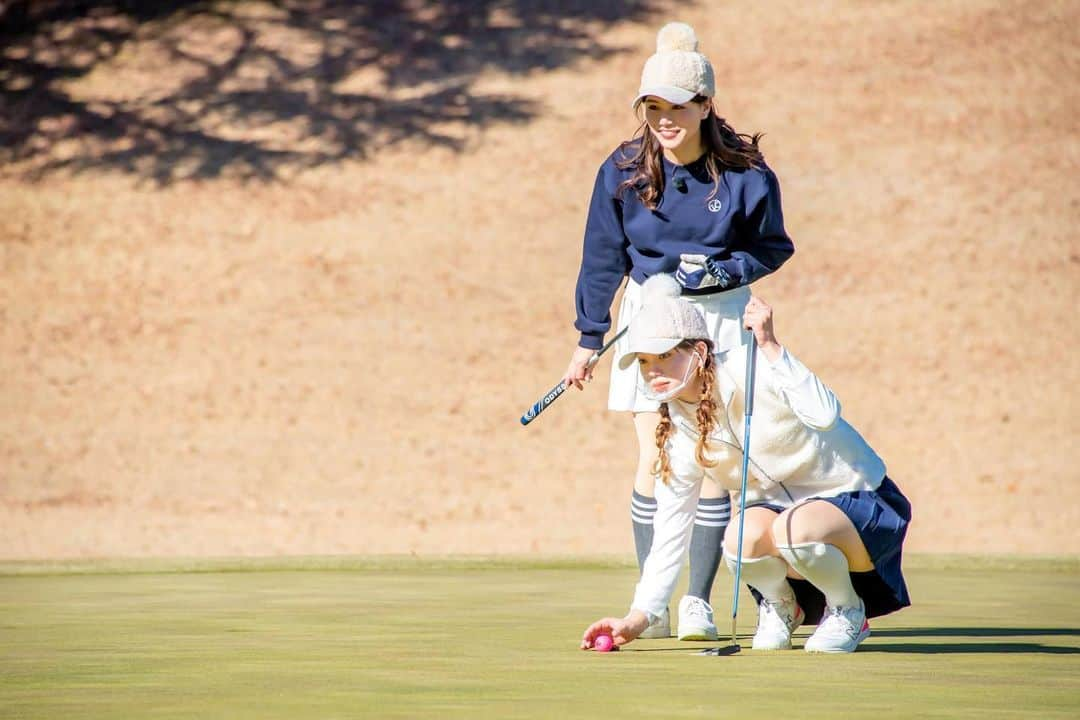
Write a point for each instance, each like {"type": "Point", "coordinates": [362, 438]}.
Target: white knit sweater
{"type": "Point", "coordinates": [800, 448]}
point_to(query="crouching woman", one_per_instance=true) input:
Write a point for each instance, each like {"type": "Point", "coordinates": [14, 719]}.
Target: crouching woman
{"type": "Point", "coordinates": [824, 525]}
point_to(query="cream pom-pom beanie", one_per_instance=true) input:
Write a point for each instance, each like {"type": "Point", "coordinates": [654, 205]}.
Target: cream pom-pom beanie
{"type": "Point", "coordinates": [677, 72]}
{"type": "Point", "coordinates": [664, 321]}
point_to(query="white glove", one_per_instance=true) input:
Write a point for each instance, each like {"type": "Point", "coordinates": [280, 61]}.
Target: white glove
{"type": "Point", "coordinates": [698, 272]}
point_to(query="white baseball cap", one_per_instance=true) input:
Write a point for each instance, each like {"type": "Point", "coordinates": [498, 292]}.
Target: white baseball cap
{"type": "Point", "coordinates": [677, 72]}
{"type": "Point", "coordinates": [664, 321]}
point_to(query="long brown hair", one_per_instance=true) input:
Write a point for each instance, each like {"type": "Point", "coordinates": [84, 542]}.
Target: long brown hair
{"type": "Point", "coordinates": [724, 149]}
{"type": "Point", "coordinates": [706, 417]}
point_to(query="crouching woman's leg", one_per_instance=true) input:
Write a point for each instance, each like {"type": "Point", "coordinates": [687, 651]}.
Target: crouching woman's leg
{"type": "Point", "coordinates": [848, 548]}
{"type": "Point", "coordinates": [766, 573]}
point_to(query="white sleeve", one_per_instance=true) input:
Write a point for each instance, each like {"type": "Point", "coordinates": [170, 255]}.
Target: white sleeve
{"type": "Point", "coordinates": [676, 508]}
{"type": "Point", "coordinates": [809, 398]}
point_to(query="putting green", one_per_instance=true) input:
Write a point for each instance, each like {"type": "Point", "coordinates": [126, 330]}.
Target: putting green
{"type": "Point", "coordinates": [467, 638]}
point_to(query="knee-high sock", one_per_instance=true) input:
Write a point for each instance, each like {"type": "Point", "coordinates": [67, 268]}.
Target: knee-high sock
{"type": "Point", "coordinates": [642, 510]}
{"type": "Point", "coordinates": [707, 544]}
{"type": "Point", "coordinates": [767, 574]}
{"type": "Point", "coordinates": [826, 568]}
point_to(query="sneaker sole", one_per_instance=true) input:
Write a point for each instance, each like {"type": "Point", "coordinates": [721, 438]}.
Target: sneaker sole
{"type": "Point", "coordinates": [771, 649]}
{"type": "Point", "coordinates": [700, 634]}
{"type": "Point", "coordinates": [839, 651]}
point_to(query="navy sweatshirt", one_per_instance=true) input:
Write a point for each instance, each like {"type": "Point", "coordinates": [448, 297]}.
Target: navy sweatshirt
{"type": "Point", "coordinates": [741, 227]}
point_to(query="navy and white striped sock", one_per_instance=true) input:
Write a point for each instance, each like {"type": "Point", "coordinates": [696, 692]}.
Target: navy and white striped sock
{"type": "Point", "coordinates": [642, 510]}
{"type": "Point", "coordinates": [707, 544]}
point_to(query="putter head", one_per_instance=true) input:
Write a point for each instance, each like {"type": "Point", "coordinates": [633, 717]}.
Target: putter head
{"type": "Point", "coordinates": [726, 650]}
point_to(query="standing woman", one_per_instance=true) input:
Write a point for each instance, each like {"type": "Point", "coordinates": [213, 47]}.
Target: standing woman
{"type": "Point", "coordinates": [686, 195]}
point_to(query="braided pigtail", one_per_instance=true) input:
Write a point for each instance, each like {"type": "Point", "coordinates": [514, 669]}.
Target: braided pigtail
{"type": "Point", "coordinates": [662, 466]}
{"type": "Point", "coordinates": [706, 410]}
{"type": "Point", "coordinates": [706, 417]}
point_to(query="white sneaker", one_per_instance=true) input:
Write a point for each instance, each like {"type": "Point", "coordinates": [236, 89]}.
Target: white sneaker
{"type": "Point", "coordinates": [776, 621]}
{"type": "Point", "coordinates": [696, 619]}
{"type": "Point", "coordinates": [840, 630]}
{"type": "Point", "coordinates": [659, 629]}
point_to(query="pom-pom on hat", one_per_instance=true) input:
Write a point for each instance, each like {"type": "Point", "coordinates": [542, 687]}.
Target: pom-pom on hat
{"type": "Point", "coordinates": [664, 321]}
{"type": "Point", "coordinates": [677, 72]}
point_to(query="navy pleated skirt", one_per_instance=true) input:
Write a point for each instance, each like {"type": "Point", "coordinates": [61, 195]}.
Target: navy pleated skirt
{"type": "Point", "coordinates": [881, 518]}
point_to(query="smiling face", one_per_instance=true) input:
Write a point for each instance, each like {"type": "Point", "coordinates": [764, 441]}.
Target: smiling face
{"type": "Point", "coordinates": [676, 127]}
{"type": "Point", "coordinates": [673, 371]}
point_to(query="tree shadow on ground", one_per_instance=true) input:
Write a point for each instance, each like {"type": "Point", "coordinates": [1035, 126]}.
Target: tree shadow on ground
{"type": "Point", "coordinates": [200, 89]}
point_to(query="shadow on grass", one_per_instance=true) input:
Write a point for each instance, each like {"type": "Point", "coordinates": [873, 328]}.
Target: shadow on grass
{"type": "Point", "coordinates": [975, 632]}
{"type": "Point", "coordinates": [200, 88]}
{"type": "Point", "coordinates": [684, 651]}
{"type": "Point", "coordinates": [935, 648]}
{"type": "Point", "coordinates": [969, 648]}
{"type": "Point", "coordinates": [954, 648]}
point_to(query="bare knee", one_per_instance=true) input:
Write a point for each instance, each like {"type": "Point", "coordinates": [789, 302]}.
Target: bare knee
{"type": "Point", "coordinates": [821, 522]}
{"type": "Point", "coordinates": [710, 489]}
{"type": "Point", "coordinates": [815, 521]}
{"type": "Point", "coordinates": [791, 528]}
{"type": "Point", "coordinates": [757, 534]}
{"type": "Point", "coordinates": [645, 476]}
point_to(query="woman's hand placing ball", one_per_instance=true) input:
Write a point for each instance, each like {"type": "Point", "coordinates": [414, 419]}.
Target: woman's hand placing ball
{"type": "Point", "coordinates": [618, 631]}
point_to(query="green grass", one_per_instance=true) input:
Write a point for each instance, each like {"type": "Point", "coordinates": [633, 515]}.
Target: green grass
{"type": "Point", "coordinates": [467, 638]}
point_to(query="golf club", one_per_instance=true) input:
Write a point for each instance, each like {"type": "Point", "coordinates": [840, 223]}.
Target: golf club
{"type": "Point", "coordinates": [748, 410]}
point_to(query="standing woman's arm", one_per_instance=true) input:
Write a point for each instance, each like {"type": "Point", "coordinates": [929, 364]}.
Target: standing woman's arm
{"type": "Point", "coordinates": [763, 244]}
{"type": "Point", "coordinates": [604, 261]}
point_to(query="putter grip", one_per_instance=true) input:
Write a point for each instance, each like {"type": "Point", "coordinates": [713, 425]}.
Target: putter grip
{"type": "Point", "coordinates": [542, 403]}
{"type": "Point", "coordinates": [553, 394]}
{"type": "Point", "coordinates": [751, 362]}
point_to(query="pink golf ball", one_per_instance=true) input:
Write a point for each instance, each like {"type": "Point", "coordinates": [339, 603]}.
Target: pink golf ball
{"type": "Point", "coordinates": [603, 643]}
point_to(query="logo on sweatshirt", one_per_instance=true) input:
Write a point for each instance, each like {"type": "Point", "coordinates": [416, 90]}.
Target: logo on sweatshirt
{"type": "Point", "coordinates": [715, 205]}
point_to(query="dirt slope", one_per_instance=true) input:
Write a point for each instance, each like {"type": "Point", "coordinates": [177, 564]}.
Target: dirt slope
{"type": "Point", "coordinates": [335, 361]}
